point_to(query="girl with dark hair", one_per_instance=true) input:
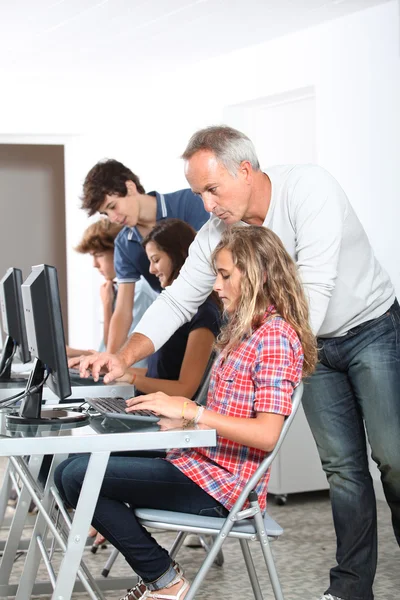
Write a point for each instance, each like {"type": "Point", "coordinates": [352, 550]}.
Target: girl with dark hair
{"type": "Point", "coordinates": [265, 349]}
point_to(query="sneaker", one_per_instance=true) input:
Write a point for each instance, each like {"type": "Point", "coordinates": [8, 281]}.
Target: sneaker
{"type": "Point", "coordinates": [330, 597]}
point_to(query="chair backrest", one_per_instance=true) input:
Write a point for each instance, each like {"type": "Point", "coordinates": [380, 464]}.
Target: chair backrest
{"type": "Point", "coordinates": [202, 391]}
{"type": "Point", "coordinates": [251, 484]}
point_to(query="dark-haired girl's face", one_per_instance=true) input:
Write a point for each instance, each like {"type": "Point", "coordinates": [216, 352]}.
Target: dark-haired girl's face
{"type": "Point", "coordinates": [227, 284]}
{"type": "Point", "coordinates": [160, 263]}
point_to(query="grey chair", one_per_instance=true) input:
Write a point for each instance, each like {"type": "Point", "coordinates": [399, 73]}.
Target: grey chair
{"type": "Point", "coordinates": [244, 524]}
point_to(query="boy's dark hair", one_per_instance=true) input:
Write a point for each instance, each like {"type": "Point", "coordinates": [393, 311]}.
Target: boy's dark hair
{"type": "Point", "coordinates": [99, 237]}
{"type": "Point", "coordinates": [107, 177]}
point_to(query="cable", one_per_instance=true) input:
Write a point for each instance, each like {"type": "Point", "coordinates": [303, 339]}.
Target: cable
{"type": "Point", "coordinates": [9, 360]}
{"type": "Point", "coordinates": [16, 396]}
{"type": "Point", "coordinates": [13, 399]}
{"type": "Point", "coordinates": [19, 554]}
{"type": "Point", "coordinates": [32, 390]}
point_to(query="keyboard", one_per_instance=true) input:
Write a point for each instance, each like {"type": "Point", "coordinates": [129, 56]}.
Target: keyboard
{"type": "Point", "coordinates": [114, 408]}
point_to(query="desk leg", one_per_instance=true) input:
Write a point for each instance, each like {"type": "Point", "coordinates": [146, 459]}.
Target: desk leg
{"type": "Point", "coordinates": [5, 492]}
{"type": "Point", "coordinates": [18, 522]}
{"type": "Point", "coordinates": [80, 525]}
{"type": "Point", "coordinates": [77, 536]}
{"type": "Point", "coordinates": [34, 555]}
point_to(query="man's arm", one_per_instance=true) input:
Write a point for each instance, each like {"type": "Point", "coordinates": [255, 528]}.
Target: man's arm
{"type": "Point", "coordinates": [121, 319]}
{"type": "Point", "coordinates": [198, 350]}
{"type": "Point", "coordinates": [137, 345]}
{"type": "Point", "coordinates": [115, 365]}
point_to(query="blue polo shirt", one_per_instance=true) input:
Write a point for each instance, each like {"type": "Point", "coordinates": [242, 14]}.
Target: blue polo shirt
{"type": "Point", "coordinates": [130, 259]}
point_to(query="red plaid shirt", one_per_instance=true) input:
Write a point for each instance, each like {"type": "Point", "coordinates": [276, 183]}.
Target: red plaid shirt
{"type": "Point", "coordinates": [258, 376]}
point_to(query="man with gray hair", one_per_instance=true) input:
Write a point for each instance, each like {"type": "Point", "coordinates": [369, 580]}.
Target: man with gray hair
{"type": "Point", "coordinates": [353, 312]}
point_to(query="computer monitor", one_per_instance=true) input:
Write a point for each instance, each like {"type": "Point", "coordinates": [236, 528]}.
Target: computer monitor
{"type": "Point", "coordinates": [45, 333]}
{"type": "Point", "coordinates": [16, 343]}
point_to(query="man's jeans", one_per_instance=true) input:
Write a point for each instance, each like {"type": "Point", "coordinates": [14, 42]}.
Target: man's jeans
{"type": "Point", "coordinates": [137, 482]}
{"type": "Point", "coordinates": [357, 383]}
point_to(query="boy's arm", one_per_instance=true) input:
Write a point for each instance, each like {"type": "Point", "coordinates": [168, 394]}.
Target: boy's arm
{"type": "Point", "coordinates": [121, 319]}
{"type": "Point", "coordinates": [107, 296]}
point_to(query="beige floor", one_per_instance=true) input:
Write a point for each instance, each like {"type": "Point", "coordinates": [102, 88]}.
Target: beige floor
{"type": "Point", "coordinates": [303, 555]}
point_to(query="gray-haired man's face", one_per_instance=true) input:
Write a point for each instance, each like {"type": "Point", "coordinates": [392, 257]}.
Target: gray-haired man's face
{"type": "Point", "coordinates": [224, 195]}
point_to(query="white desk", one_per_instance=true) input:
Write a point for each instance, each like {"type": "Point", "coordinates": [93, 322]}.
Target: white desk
{"type": "Point", "coordinates": [34, 443]}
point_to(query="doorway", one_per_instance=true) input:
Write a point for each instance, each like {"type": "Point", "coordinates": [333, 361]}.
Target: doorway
{"type": "Point", "coordinates": [32, 200]}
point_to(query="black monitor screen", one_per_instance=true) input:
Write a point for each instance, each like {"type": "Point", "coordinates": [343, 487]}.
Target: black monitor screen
{"type": "Point", "coordinates": [45, 333]}
{"type": "Point", "coordinates": [44, 327]}
{"type": "Point", "coordinates": [13, 321]}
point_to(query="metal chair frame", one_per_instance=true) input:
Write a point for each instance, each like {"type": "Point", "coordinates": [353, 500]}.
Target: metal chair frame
{"type": "Point", "coordinates": [245, 524]}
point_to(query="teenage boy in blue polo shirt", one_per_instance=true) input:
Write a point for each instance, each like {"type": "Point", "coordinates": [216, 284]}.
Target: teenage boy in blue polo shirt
{"type": "Point", "coordinates": [113, 190]}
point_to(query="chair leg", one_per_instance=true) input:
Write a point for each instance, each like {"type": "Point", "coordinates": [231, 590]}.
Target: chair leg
{"type": "Point", "coordinates": [178, 541]}
{"type": "Point", "coordinates": [111, 560]}
{"type": "Point", "coordinates": [219, 560]}
{"type": "Point", "coordinates": [268, 556]}
{"type": "Point", "coordinates": [210, 558]}
{"type": "Point", "coordinates": [248, 559]}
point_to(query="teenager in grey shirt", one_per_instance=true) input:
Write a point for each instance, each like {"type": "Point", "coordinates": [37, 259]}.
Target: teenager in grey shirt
{"type": "Point", "coordinates": [353, 312]}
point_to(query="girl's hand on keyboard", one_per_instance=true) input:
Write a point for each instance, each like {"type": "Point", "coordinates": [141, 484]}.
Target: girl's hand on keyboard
{"type": "Point", "coordinates": [174, 407]}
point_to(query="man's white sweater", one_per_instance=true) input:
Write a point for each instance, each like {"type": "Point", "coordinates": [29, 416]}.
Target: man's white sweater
{"type": "Point", "coordinates": [309, 211]}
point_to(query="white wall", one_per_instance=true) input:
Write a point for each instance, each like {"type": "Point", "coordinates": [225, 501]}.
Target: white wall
{"type": "Point", "coordinates": [353, 65]}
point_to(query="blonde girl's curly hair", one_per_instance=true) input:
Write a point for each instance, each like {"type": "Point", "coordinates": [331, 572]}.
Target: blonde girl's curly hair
{"type": "Point", "coordinates": [269, 276]}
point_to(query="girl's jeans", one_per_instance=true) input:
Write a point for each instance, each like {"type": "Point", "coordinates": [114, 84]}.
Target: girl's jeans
{"type": "Point", "coordinates": [134, 482]}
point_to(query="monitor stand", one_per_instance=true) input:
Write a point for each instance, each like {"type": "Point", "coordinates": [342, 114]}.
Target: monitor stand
{"type": "Point", "coordinates": [8, 363]}
{"type": "Point", "coordinates": [30, 411]}
{"type": "Point", "coordinates": [6, 359]}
